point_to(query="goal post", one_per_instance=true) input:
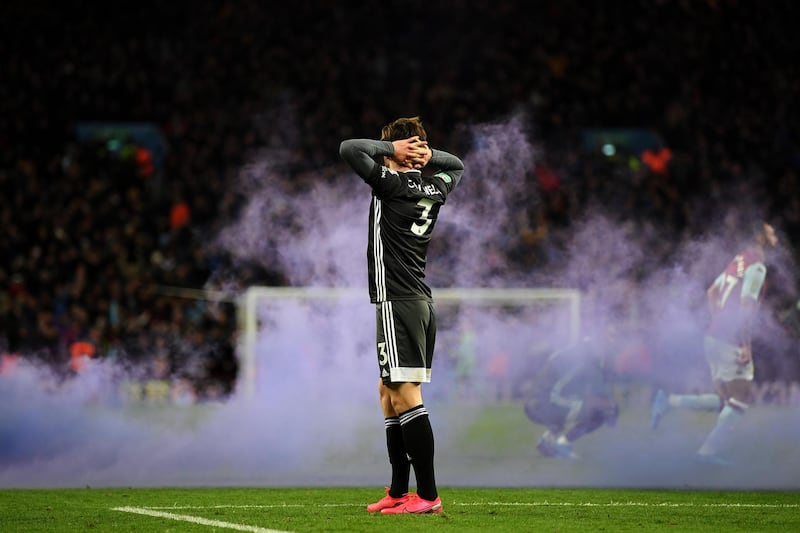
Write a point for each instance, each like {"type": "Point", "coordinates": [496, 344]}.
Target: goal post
{"type": "Point", "coordinates": [291, 307]}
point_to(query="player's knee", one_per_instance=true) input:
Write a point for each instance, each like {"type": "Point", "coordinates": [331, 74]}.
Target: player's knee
{"type": "Point", "coordinates": [386, 400]}
{"type": "Point", "coordinates": [737, 405]}
{"type": "Point", "coordinates": [401, 404]}
{"type": "Point", "coordinates": [739, 395]}
{"type": "Point", "coordinates": [404, 396]}
{"type": "Point", "coordinates": [388, 409]}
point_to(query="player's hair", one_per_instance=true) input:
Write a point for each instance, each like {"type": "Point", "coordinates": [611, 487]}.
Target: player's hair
{"type": "Point", "coordinates": [757, 228]}
{"type": "Point", "coordinates": [403, 128]}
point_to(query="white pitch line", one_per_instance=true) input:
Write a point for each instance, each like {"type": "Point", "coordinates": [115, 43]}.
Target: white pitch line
{"type": "Point", "coordinates": [197, 520]}
{"type": "Point", "coordinates": [510, 504]}
{"type": "Point", "coordinates": [629, 504]}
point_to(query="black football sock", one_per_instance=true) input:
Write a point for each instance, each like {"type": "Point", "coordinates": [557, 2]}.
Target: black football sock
{"type": "Point", "coordinates": [401, 466]}
{"type": "Point", "coordinates": [418, 438]}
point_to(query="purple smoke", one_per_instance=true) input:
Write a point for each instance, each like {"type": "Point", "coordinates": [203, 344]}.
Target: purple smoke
{"type": "Point", "coordinates": [314, 418]}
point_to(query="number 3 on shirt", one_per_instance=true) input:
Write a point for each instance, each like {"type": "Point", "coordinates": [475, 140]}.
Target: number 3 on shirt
{"type": "Point", "coordinates": [421, 225]}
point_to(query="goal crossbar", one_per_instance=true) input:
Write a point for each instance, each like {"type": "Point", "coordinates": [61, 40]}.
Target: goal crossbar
{"type": "Point", "coordinates": [249, 301]}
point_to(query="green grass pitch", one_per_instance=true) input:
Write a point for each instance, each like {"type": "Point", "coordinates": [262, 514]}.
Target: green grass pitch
{"type": "Point", "coordinates": [630, 478]}
{"type": "Point", "coordinates": [343, 509]}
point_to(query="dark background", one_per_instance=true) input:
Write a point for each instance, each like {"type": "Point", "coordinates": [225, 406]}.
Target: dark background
{"type": "Point", "coordinates": [92, 229]}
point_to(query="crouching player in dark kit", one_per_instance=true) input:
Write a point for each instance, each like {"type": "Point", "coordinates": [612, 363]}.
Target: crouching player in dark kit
{"type": "Point", "coordinates": [572, 394]}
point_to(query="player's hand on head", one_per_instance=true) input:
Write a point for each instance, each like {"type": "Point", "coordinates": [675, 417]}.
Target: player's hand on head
{"type": "Point", "coordinates": [412, 152]}
{"type": "Point", "coordinates": [425, 155]}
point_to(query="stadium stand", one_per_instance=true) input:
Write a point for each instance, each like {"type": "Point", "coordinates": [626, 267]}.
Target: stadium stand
{"type": "Point", "coordinates": [92, 229]}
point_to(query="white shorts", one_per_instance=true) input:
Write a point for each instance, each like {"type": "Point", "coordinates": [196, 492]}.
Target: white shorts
{"type": "Point", "coordinates": [723, 362]}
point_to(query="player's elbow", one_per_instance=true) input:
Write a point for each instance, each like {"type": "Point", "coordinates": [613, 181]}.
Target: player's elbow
{"type": "Point", "coordinates": [346, 149]}
{"type": "Point", "coordinates": [456, 176]}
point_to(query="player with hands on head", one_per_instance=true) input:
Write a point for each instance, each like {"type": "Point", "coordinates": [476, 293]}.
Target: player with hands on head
{"type": "Point", "coordinates": [403, 211]}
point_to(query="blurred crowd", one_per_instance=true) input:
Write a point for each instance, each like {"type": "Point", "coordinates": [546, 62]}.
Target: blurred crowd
{"type": "Point", "coordinates": [92, 240]}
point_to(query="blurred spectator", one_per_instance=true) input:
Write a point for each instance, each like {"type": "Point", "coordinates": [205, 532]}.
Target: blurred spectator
{"type": "Point", "coordinates": [79, 353]}
{"type": "Point", "coordinates": [498, 374]}
{"type": "Point", "coordinates": [92, 231]}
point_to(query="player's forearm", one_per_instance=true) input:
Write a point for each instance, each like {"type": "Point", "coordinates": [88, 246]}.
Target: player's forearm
{"type": "Point", "coordinates": [360, 153]}
{"type": "Point", "coordinates": [445, 161]}
{"type": "Point", "coordinates": [746, 333]}
{"type": "Point", "coordinates": [747, 310]}
{"type": "Point", "coordinates": [448, 164]}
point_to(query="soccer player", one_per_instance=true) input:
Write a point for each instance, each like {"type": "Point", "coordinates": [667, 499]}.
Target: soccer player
{"type": "Point", "coordinates": [733, 298]}
{"type": "Point", "coordinates": [572, 394]}
{"type": "Point", "coordinates": [403, 212]}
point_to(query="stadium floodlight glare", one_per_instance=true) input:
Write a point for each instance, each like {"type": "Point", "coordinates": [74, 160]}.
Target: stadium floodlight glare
{"type": "Point", "coordinates": [324, 300]}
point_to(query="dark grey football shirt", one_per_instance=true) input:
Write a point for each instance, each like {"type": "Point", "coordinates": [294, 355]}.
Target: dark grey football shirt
{"type": "Point", "coordinates": [402, 215]}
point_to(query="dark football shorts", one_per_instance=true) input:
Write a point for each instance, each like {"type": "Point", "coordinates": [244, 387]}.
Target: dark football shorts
{"type": "Point", "coordinates": [406, 334]}
{"type": "Point", "coordinates": [572, 413]}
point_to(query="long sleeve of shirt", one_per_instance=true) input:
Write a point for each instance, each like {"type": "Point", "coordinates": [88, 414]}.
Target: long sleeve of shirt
{"type": "Point", "coordinates": [360, 154]}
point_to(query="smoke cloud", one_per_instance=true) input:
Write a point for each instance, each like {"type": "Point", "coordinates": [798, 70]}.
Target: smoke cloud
{"type": "Point", "coordinates": [314, 418]}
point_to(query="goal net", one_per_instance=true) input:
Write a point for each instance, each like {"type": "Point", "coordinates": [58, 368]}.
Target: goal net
{"type": "Point", "coordinates": [294, 337]}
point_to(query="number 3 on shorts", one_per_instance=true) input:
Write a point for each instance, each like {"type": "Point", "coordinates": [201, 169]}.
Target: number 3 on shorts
{"type": "Point", "coordinates": [383, 356]}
